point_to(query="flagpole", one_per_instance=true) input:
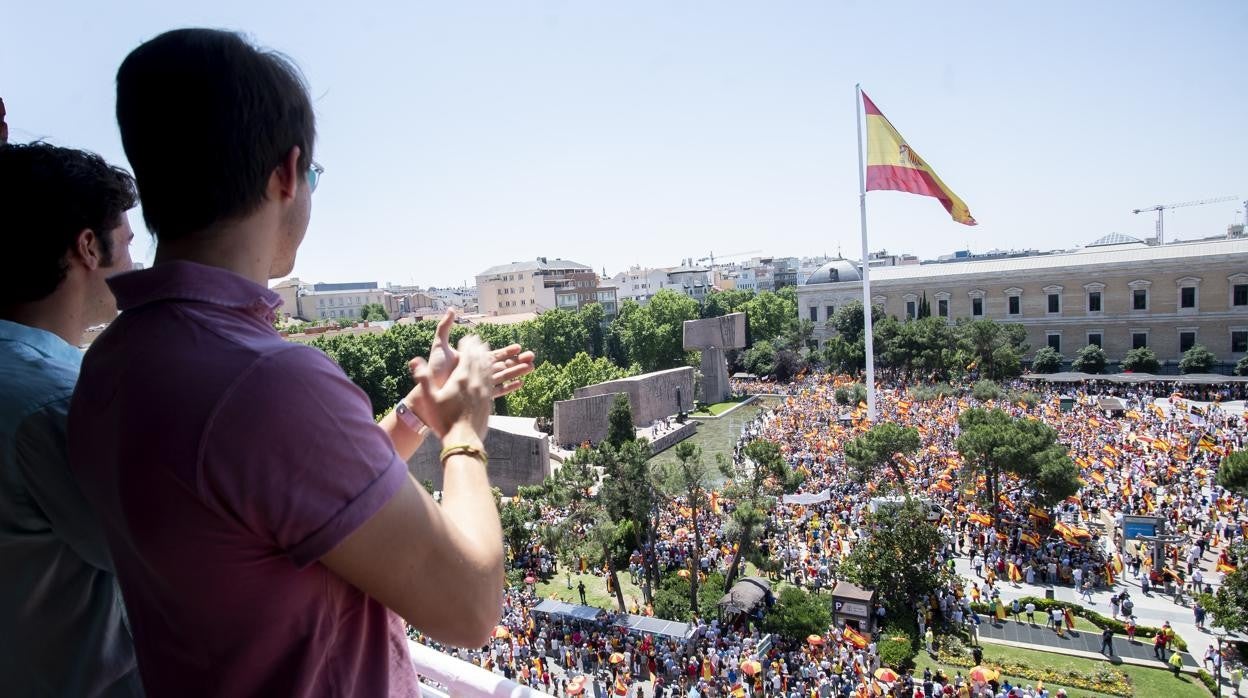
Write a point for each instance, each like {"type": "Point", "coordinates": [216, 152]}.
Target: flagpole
{"type": "Point", "coordinates": [868, 331]}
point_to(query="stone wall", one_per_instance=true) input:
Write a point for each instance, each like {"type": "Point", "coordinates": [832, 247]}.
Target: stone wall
{"type": "Point", "coordinates": [673, 437]}
{"type": "Point", "coordinates": [583, 419]}
{"type": "Point", "coordinates": [519, 455]}
{"type": "Point", "coordinates": [650, 395]}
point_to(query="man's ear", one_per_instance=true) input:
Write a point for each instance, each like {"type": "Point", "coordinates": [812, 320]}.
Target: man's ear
{"type": "Point", "coordinates": [285, 180]}
{"type": "Point", "coordinates": [87, 250]}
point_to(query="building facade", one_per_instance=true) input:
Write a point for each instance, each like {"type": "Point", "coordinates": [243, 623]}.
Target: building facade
{"type": "Point", "coordinates": [525, 287]}
{"type": "Point", "coordinates": [584, 288]}
{"type": "Point", "coordinates": [1117, 293]}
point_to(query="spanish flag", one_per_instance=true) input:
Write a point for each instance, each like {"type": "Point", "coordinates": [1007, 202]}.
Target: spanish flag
{"type": "Point", "coordinates": [1015, 575]}
{"type": "Point", "coordinates": [855, 638]}
{"type": "Point", "coordinates": [892, 164]}
{"type": "Point", "coordinates": [1030, 538]}
{"type": "Point", "coordinates": [1038, 513]}
{"type": "Point", "coordinates": [1226, 567]}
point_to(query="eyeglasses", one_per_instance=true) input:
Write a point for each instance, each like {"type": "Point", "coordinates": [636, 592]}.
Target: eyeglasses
{"type": "Point", "coordinates": [314, 175]}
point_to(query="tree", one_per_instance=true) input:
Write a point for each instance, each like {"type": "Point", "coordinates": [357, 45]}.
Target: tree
{"type": "Point", "coordinates": [992, 348]}
{"type": "Point", "coordinates": [769, 315]}
{"type": "Point", "coordinates": [629, 496]}
{"type": "Point", "coordinates": [1241, 366]}
{"type": "Point", "coordinates": [1229, 605]}
{"type": "Point", "coordinates": [594, 318]}
{"type": "Point", "coordinates": [798, 614]}
{"type": "Point", "coordinates": [1141, 360]}
{"type": "Point", "coordinates": [374, 311]}
{"type": "Point", "coordinates": [924, 308]}
{"type": "Point", "coordinates": [550, 383]}
{"type": "Point", "coordinates": [620, 429]}
{"type": "Point", "coordinates": [653, 334]}
{"type": "Point", "coordinates": [897, 558]}
{"type": "Point", "coordinates": [518, 520]}
{"type": "Point", "coordinates": [996, 445]}
{"type": "Point", "coordinates": [1198, 359]}
{"type": "Point", "coordinates": [1046, 360]}
{"type": "Point", "coordinates": [588, 528]}
{"type": "Point", "coordinates": [720, 303]}
{"type": "Point", "coordinates": [756, 479]}
{"type": "Point", "coordinates": [555, 335]}
{"type": "Point", "coordinates": [1233, 472]}
{"type": "Point", "coordinates": [885, 445]}
{"type": "Point", "coordinates": [1090, 359]}
{"type": "Point", "coordinates": [691, 477]}
{"type": "Point", "coordinates": [760, 358]}
{"type": "Point", "coordinates": [920, 347]}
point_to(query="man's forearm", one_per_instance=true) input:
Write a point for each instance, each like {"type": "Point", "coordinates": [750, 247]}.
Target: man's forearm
{"type": "Point", "coordinates": [468, 504]}
{"type": "Point", "coordinates": [404, 439]}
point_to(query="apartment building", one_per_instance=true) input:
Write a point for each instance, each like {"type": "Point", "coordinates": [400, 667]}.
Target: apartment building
{"type": "Point", "coordinates": [526, 287]}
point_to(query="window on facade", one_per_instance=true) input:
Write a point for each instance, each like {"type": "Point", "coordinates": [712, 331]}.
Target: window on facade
{"type": "Point", "coordinates": [1187, 297]}
{"type": "Point", "coordinates": [1055, 341]}
{"type": "Point", "coordinates": [1055, 303]}
{"type": "Point", "coordinates": [1139, 299]}
{"type": "Point", "coordinates": [942, 308]}
{"type": "Point", "coordinates": [1014, 304]}
{"type": "Point", "coordinates": [977, 307]}
{"type": "Point", "coordinates": [1186, 340]}
{"type": "Point", "coordinates": [1139, 340]}
{"type": "Point", "coordinates": [828, 312]}
{"type": "Point", "coordinates": [814, 314]}
{"type": "Point", "coordinates": [1094, 338]}
{"type": "Point", "coordinates": [1094, 301]}
{"type": "Point", "coordinates": [1239, 341]}
{"type": "Point", "coordinates": [910, 309]}
{"type": "Point", "coordinates": [1239, 294]}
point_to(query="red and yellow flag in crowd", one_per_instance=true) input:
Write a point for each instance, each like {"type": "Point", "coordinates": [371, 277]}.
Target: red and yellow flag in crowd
{"type": "Point", "coordinates": [892, 164]}
{"type": "Point", "coordinates": [855, 638]}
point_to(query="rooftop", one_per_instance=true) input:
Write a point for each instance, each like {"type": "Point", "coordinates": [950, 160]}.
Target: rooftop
{"type": "Point", "coordinates": [539, 264]}
{"type": "Point", "coordinates": [1109, 254]}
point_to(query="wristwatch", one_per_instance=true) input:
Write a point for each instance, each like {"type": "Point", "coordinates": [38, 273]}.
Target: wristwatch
{"type": "Point", "coordinates": [407, 417]}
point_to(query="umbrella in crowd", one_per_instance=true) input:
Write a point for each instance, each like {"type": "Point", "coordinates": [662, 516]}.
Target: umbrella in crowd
{"type": "Point", "coordinates": [983, 674]}
{"type": "Point", "coordinates": [815, 640]}
{"type": "Point", "coordinates": [576, 686]}
{"type": "Point", "coordinates": [886, 675]}
{"type": "Point", "coordinates": [502, 633]}
{"type": "Point", "coordinates": [616, 658]}
{"type": "Point", "coordinates": [750, 667]}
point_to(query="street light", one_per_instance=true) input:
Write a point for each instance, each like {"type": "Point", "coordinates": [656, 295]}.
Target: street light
{"type": "Point", "coordinates": [1220, 635]}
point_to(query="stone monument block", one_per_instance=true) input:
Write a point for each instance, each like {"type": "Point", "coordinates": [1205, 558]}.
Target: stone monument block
{"type": "Point", "coordinates": [519, 455]}
{"type": "Point", "coordinates": [651, 396]}
{"type": "Point", "coordinates": [724, 332]}
{"type": "Point", "coordinates": [583, 419]}
{"type": "Point", "coordinates": [712, 336]}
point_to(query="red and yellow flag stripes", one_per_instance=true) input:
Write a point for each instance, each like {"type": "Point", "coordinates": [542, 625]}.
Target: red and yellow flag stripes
{"type": "Point", "coordinates": [893, 164]}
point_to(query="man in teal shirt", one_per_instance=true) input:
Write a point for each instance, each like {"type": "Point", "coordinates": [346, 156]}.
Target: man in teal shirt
{"type": "Point", "coordinates": [62, 629]}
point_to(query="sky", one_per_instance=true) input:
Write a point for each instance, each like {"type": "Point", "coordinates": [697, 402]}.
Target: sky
{"type": "Point", "coordinates": [458, 135]}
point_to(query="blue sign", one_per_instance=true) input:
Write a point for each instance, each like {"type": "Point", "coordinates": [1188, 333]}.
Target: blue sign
{"type": "Point", "coordinates": [1134, 529]}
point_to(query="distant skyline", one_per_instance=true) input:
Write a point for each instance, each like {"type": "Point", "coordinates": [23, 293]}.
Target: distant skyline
{"type": "Point", "coordinates": [459, 136]}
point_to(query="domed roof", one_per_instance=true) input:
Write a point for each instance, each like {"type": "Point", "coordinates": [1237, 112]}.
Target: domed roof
{"type": "Point", "coordinates": [834, 271]}
{"type": "Point", "coordinates": [1115, 239]}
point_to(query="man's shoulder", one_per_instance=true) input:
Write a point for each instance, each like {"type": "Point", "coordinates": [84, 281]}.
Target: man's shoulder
{"type": "Point", "coordinates": [31, 381]}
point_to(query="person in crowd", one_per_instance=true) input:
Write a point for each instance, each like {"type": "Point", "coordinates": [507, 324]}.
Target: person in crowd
{"type": "Point", "coordinates": [62, 631]}
{"type": "Point", "coordinates": [265, 531]}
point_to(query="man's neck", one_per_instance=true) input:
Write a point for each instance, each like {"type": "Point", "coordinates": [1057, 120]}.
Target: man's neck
{"type": "Point", "coordinates": [57, 314]}
{"type": "Point", "coordinates": [243, 248]}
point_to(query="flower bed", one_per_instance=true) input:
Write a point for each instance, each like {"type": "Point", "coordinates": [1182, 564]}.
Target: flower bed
{"type": "Point", "coordinates": [1104, 679]}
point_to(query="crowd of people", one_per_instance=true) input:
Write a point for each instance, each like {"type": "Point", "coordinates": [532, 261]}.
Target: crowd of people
{"type": "Point", "coordinates": [1158, 457]}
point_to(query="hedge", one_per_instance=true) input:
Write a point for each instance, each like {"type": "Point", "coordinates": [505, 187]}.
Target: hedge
{"type": "Point", "coordinates": [1207, 679]}
{"type": "Point", "coordinates": [1103, 679]}
{"type": "Point", "coordinates": [897, 648]}
{"type": "Point", "coordinates": [1095, 618]}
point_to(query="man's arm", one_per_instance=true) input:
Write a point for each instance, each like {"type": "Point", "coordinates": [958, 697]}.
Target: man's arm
{"type": "Point", "coordinates": [41, 451]}
{"type": "Point", "coordinates": [440, 567]}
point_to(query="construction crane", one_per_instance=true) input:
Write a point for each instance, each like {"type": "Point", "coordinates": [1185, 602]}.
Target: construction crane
{"type": "Point", "coordinates": [1161, 209]}
{"type": "Point", "coordinates": [711, 258]}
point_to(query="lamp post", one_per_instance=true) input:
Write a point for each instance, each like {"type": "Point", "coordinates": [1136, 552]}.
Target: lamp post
{"type": "Point", "coordinates": [1220, 635]}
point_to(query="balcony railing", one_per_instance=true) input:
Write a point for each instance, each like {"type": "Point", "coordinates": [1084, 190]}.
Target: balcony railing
{"type": "Point", "coordinates": [444, 676]}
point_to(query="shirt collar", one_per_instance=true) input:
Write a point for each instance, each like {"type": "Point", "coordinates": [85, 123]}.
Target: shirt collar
{"type": "Point", "coordinates": [42, 341]}
{"type": "Point", "coordinates": [189, 281]}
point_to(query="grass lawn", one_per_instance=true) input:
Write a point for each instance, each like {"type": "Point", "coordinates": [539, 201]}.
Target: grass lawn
{"type": "Point", "coordinates": [1147, 682]}
{"type": "Point", "coordinates": [718, 408]}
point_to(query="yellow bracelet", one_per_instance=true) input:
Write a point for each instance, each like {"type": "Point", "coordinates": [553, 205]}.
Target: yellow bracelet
{"type": "Point", "coordinates": [465, 450]}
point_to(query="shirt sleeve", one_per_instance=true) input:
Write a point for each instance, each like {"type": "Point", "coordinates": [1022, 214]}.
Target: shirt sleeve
{"type": "Point", "coordinates": [41, 451]}
{"type": "Point", "coordinates": [293, 453]}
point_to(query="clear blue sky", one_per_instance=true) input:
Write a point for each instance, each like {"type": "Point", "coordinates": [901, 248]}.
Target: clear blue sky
{"type": "Point", "coordinates": [459, 135]}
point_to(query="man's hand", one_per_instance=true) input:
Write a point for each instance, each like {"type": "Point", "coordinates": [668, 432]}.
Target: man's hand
{"type": "Point", "coordinates": [510, 363]}
{"type": "Point", "coordinates": [466, 396]}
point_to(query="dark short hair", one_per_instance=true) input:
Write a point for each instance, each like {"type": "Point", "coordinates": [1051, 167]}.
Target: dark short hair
{"type": "Point", "coordinates": [48, 196]}
{"type": "Point", "coordinates": [205, 117]}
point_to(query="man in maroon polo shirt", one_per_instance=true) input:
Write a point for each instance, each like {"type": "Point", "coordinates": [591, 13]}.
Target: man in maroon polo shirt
{"type": "Point", "coordinates": [267, 536]}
